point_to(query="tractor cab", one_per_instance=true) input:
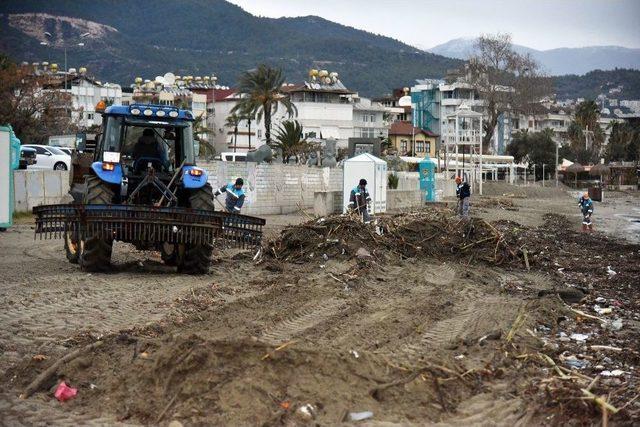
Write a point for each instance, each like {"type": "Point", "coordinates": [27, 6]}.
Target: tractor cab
{"type": "Point", "coordinates": [145, 148]}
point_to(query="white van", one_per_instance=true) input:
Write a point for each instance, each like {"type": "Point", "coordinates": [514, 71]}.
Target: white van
{"type": "Point", "coordinates": [233, 157]}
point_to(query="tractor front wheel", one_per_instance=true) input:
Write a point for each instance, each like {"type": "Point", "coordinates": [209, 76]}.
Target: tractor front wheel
{"type": "Point", "coordinates": [195, 258]}
{"type": "Point", "coordinates": [95, 251]}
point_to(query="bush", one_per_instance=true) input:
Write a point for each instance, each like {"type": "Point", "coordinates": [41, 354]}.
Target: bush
{"type": "Point", "coordinates": [392, 181]}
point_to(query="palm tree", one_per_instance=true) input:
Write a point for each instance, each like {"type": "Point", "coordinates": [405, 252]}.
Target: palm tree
{"type": "Point", "coordinates": [233, 120]}
{"type": "Point", "coordinates": [200, 129]}
{"type": "Point", "coordinates": [261, 96]}
{"type": "Point", "coordinates": [289, 140]}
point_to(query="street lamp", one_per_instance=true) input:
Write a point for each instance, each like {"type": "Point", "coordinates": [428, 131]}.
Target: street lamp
{"type": "Point", "coordinates": [64, 45]}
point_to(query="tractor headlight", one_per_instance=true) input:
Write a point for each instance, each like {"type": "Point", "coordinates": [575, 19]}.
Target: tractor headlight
{"type": "Point", "coordinates": [135, 111]}
{"type": "Point", "coordinates": [148, 112]}
{"type": "Point", "coordinates": [195, 172]}
{"type": "Point", "coordinates": [160, 113]}
{"type": "Point", "coordinates": [173, 114]}
{"type": "Point", "coordinates": [108, 166]}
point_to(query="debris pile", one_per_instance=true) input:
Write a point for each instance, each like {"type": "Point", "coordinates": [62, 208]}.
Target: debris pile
{"type": "Point", "coordinates": [434, 232]}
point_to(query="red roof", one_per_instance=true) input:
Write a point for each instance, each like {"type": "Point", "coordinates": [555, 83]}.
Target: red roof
{"type": "Point", "coordinates": [406, 128]}
{"type": "Point", "coordinates": [222, 94]}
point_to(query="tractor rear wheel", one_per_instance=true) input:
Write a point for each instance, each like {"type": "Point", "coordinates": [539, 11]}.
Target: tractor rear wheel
{"type": "Point", "coordinates": [72, 247]}
{"type": "Point", "coordinates": [169, 253]}
{"type": "Point", "coordinates": [95, 251]}
{"type": "Point", "coordinates": [195, 258]}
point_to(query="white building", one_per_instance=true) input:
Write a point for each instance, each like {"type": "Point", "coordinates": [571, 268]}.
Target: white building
{"type": "Point", "coordinates": [368, 119]}
{"type": "Point", "coordinates": [85, 94]}
{"type": "Point", "coordinates": [325, 109]}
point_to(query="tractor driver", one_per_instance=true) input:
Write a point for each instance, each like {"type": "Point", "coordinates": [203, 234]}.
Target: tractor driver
{"type": "Point", "coordinates": [149, 147]}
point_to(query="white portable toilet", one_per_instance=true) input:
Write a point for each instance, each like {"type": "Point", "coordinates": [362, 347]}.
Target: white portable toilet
{"type": "Point", "coordinates": [374, 170]}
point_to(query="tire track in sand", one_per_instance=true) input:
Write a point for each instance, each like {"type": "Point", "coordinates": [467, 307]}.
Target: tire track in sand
{"type": "Point", "coordinates": [301, 321]}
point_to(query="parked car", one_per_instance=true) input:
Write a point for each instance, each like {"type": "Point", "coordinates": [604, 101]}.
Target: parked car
{"type": "Point", "coordinates": [67, 150]}
{"type": "Point", "coordinates": [233, 157]}
{"type": "Point", "coordinates": [27, 157]}
{"type": "Point", "coordinates": [50, 158]}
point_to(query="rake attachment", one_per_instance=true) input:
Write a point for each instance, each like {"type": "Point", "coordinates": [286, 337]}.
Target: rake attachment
{"type": "Point", "coordinates": [150, 224]}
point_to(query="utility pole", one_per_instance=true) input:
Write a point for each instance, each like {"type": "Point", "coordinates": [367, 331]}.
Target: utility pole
{"type": "Point", "coordinates": [543, 174]}
{"type": "Point", "coordinates": [555, 172]}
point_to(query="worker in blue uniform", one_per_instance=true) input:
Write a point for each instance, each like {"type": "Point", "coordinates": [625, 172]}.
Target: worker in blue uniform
{"type": "Point", "coordinates": [359, 200]}
{"type": "Point", "coordinates": [235, 196]}
{"type": "Point", "coordinates": [463, 193]}
{"type": "Point", "coordinates": [586, 207]}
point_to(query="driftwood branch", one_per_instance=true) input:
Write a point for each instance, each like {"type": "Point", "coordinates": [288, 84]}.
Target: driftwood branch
{"type": "Point", "coordinates": [51, 370]}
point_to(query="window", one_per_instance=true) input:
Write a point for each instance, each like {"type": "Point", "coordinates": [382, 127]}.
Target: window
{"type": "Point", "coordinates": [427, 145]}
{"type": "Point", "coordinates": [89, 116]}
{"type": "Point", "coordinates": [40, 150]}
{"type": "Point", "coordinates": [372, 118]}
{"type": "Point", "coordinates": [404, 144]}
{"type": "Point", "coordinates": [125, 102]}
{"type": "Point", "coordinates": [365, 118]}
{"type": "Point", "coordinates": [420, 146]}
{"type": "Point", "coordinates": [198, 106]}
{"type": "Point", "coordinates": [259, 133]}
{"type": "Point", "coordinates": [367, 133]}
{"type": "Point", "coordinates": [530, 123]}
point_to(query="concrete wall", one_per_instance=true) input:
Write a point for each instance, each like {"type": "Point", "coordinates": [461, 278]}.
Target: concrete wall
{"type": "Point", "coordinates": [39, 187]}
{"type": "Point", "coordinates": [275, 188]}
{"type": "Point", "coordinates": [404, 199]}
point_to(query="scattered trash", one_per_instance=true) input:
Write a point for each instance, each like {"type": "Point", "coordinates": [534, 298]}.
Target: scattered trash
{"type": "Point", "coordinates": [307, 411]}
{"type": "Point", "coordinates": [614, 373]}
{"type": "Point", "coordinates": [355, 354]}
{"type": "Point", "coordinates": [39, 357]}
{"type": "Point", "coordinates": [459, 357]}
{"type": "Point", "coordinates": [601, 300]}
{"type": "Point", "coordinates": [610, 272]}
{"type": "Point", "coordinates": [574, 362]}
{"type": "Point", "coordinates": [363, 253]}
{"type": "Point", "coordinates": [614, 325]}
{"type": "Point", "coordinates": [325, 257]}
{"type": "Point", "coordinates": [602, 310]}
{"type": "Point", "coordinates": [579, 337]}
{"type": "Point", "coordinates": [175, 423]}
{"type": "Point", "coordinates": [144, 355]}
{"type": "Point", "coordinates": [286, 405]}
{"type": "Point", "coordinates": [93, 386]}
{"type": "Point", "coordinates": [64, 392]}
{"type": "Point", "coordinates": [359, 416]}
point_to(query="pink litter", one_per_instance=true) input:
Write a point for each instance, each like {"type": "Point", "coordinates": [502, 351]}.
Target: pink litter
{"type": "Point", "coordinates": [64, 392]}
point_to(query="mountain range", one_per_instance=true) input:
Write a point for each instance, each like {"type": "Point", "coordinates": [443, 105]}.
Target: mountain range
{"type": "Point", "coordinates": [559, 61]}
{"type": "Point", "coordinates": [200, 37]}
{"type": "Point", "coordinates": [119, 40]}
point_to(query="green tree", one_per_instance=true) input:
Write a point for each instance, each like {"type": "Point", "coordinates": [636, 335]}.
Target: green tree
{"type": "Point", "coordinates": [586, 147]}
{"type": "Point", "coordinates": [200, 131]}
{"type": "Point", "coordinates": [620, 141]}
{"type": "Point", "coordinates": [536, 148]}
{"type": "Point", "coordinates": [261, 96]}
{"type": "Point", "coordinates": [290, 141]}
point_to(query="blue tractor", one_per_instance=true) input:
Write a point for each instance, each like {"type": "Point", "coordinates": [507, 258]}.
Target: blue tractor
{"type": "Point", "coordinates": [144, 188]}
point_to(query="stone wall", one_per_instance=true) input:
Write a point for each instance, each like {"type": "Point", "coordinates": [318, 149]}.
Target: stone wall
{"type": "Point", "coordinates": [275, 188]}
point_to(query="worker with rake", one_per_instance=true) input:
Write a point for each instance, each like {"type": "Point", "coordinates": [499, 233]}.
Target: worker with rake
{"type": "Point", "coordinates": [359, 201]}
{"type": "Point", "coordinates": [235, 196]}
{"type": "Point", "coordinates": [463, 193]}
{"type": "Point", "coordinates": [586, 206]}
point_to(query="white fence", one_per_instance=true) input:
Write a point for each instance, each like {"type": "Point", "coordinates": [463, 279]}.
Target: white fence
{"type": "Point", "coordinates": [39, 187]}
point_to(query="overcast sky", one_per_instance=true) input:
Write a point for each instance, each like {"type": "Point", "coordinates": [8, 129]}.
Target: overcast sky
{"type": "Point", "coordinates": [540, 24]}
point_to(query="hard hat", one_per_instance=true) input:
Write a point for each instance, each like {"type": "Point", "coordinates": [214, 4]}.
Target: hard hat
{"type": "Point", "coordinates": [585, 195]}
{"type": "Point", "coordinates": [458, 179]}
